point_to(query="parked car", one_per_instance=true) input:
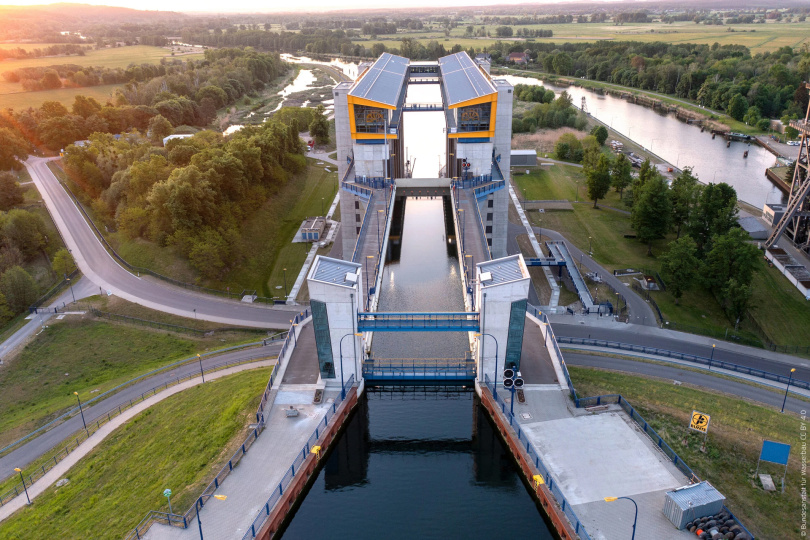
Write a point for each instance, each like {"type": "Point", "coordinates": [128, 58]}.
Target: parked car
{"type": "Point", "coordinates": [793, 143]}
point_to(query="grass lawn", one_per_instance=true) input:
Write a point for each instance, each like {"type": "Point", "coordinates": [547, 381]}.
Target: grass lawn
{"type": "Point", "coordinates": [603, 230]}
{"type": "Point", "coordinates": [112, 488]}
{"type": "Point", "coordinates": [735, 437]}
{"type": "Point", "coordinates": [65, 96]}
{"type": "Point", "coordinates": [85, 355]}
{"type": "Point", "coordinates": [116, 57]}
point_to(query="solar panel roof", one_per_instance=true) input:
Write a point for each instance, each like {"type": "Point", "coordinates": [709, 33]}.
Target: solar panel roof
{"type": "Point", "coordinates": [462, 79]}
{"type": "Point", "coordinates": [383, 81]}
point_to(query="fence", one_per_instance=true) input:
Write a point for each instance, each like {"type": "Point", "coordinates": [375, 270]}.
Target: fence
{"type": "Point", "coordinates": [171, 327]}
{"type": "Point", "coordinates": [702, 360]}
{"type": "Point", "coordinates": [264, 513]}
{"type": "Point", "coordinates": [551, 483]}
{"type": "Point", "coordinates": [92, 427]}
{"type": "Point", "coordinates": [183, 520]}
{"type": "Point", "coordinates": [140, 270]}
{"type": "Point", "coordinates": [53, 291]}
{"type": "Point", "coordinates": [646, 295]}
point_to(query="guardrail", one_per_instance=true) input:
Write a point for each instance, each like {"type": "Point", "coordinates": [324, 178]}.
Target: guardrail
{"type": "Point", "coordinates": [375, 372]}
{"type": "Point", "coordinates": [374, 182]}
{"type": "Point", "coordinates": [92, 427]}
{"type": "Point", "coordinates": [551, 482]}
{"type": "Point", "coordinates": [702, 360]}
{"type": "Point", "coordinates": [183, 520]}
{"type": "Point", "coordinates": [486, 189]}
{"type": "Point", "coordinates": [53, 291]}
{"type": "Point", "coordinates": [140, 270]}
{"type": "Point", "coordinates": [264, 513]}
{"type": "Point", "coordinates": [356, 189]}
{"type": "Point", "coordinates": [172, 327]}
{"type": "Point", "coordinates": [488, 250]}
{"type": "Point", "coordinates": [356, 252]}
{"type": "Point", "coordinates": [417, 321]}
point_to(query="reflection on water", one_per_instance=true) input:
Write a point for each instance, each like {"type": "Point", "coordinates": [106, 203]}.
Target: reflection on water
{"type": "Point", "coordinates": [682, 144]}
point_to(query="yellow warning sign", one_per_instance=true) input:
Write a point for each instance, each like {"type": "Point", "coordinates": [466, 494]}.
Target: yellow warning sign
{"type": "Point", "coordinates": [699, 422]}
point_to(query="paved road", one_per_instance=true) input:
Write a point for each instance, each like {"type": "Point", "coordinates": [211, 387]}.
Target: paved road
{"type": "Point", "coordinates": [30, 451]}
{"type": "Point", "coordinates": [567, 326]}
{"type": "Point", "coordinates": [755, 393]}
{"type": "Point", "coordinates": [99, 266]}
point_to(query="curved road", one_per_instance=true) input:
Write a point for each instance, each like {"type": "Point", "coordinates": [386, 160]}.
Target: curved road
{"type": "Point", "coordinates": [99, 266]}
{"type": "Point", "coordinates": [33, 449]}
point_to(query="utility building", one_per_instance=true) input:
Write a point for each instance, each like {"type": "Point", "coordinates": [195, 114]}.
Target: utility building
{"type": "Point", "coordinates": [369, 125]}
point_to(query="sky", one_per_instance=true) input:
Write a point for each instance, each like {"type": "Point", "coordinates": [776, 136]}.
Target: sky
{"type": "Point", "coordinates": [253, 6]}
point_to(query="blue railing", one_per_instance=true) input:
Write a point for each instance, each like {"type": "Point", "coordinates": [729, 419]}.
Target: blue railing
{"type": "Point", "coordinates": [543, 261]}
{"type": "Point", "coordinates": [534, 455]}
{"type": "Point", "coordinates": [487, 248]}
{"type": "Point", "coordinates": [419, 372]}
{"type": "Point", "coordinates": [356, 189]}
{"type": "Point", "coordinates": [418, 322]}
{"type": "Point", "coordinates": [356, 253]}
{"type": "Point", "coordinates": [185, 519]}
{"type": "Point", "coordinates": [374, 182]}
{"type": "Point", "coordinates": [702, 360]}
{"type": "Point", "coordinates": [491, 187]}
{"type": "Point", "coordinates": [471, 182]}
{"type": "Point", "coordinates": [268, 506]}
{"type": "Point", "coordinates": [348, 170]}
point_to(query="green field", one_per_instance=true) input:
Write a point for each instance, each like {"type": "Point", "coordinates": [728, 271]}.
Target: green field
{"type": "Point", "coordinates": [65, 96]}
{"type": "Point", "coordinates": [88, 356]}
{"type": "Point", "coordinates": [765, 37]}
{"type": "Point", "coordinates": [603, 230]}
{"type": "Point", "coordinates": [735, 437]}
{"type": "Point", "coordinates": [122, 479]}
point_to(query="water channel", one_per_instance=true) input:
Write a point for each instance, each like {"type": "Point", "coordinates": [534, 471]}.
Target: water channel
{"type": "Point", "coordinates": [419, 462]}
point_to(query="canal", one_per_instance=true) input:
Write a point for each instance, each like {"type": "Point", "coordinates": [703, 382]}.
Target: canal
{"type": "Point", "coordinates": [419, 462]}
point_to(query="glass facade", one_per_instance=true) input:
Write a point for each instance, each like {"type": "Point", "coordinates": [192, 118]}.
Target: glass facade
{"type": "Point", "coordinates": [514, 339]}
{"type": "Point", "coordinates": [323, 339]}
{"type": "Point", "coordinates": [474, 118]}
{"type": "Point", "coordinates": [369, 119]}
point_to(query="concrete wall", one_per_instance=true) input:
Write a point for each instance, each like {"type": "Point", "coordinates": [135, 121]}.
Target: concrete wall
{"type": "Point", "coordinates": [478, 155]}
{"type": "Point", "coordinates": [369, 160]}
{"type": "Point", "coordinates": [503, 147]}
{"type": "Point", "coordinates": [495, 311]}
{"type": "Point", "coordinates": [343, 137]}
{"type": "Point", "coordinates": [342, 304]}
{"type": "Point", "coordinates": [348, 220]}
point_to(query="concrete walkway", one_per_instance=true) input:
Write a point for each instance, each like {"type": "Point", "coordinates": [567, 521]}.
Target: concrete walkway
{"type": "Point", "coordinates": [64, 466]}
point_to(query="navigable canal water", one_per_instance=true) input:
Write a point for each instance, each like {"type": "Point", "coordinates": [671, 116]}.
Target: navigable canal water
{"type": "Point", "coordinates": [419, 462]}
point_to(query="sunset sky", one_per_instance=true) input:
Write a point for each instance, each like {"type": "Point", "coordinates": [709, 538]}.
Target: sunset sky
{"type": "Point", "coordinates": [276, 5]}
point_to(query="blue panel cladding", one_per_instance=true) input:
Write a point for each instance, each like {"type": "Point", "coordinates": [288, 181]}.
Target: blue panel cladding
{"type": "Point", "coordinates": [514, 339]}
{"type": "Point", "coordinates": [323, 339]}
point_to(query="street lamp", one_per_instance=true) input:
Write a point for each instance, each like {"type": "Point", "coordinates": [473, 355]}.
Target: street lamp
{"type": "Point", "coordinates": [285, 283]}
{"type": "Point", "coordinates": [379, 240]}
{"type": "Point", "coordinates": [342, 384]}
{"type": "Point", "coordinates": [590, 251]}
{"type": "Point", "coordinates": [368, 280]}
{"type": "Point", "coordinates": [71, 288]}
{"type": "Point", "coordinates": [168, 494]}
{"type": "Point", "coordinates": [711, 357]}
{"type": "Point", "coordinates": [322, 206]}
{"type": "Point", "coordinates": [790, 379]}
{"type": "Point", "coordinates": [199, 523]}
{"type": "Point", "coordinates": [481, 335]}
{"type": "Point", "coordinates": [17, 469]}
{"type": "Point", "coordinates": [635, 519]}
{"type": "Point", "coordinates": [202, 375]}
{"type": "Point", "coordinates": [82, 412]}
{"type": "Point", "coordinates": [292, 329]}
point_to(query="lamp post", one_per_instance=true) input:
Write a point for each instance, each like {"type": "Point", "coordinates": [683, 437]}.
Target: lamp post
{"type": "Point", "coordinates": [322, 206]}
{"type": "Point", "coordinates": [379, 240]}
{"type": "Point", "coordinates": [81, 410]}
{"type": "Point", "coordinates": [481, 335]}
{"type": "Point", "coordinates": [590, 251]}
{"type": "Point", "coordinates": [342, 384]}
{"type": "Point", "coordinates": [71, 288]}
{"type": "Point", "coordinates": [168, 494]}
{"type": "Point", "coordinates": [292, 329]}
{"type": "Point", "coordinates": [635, 518]}
{"type": "Point", "coordinates": [790, 379]}
{"type": "Point", "coordinates": [470, 267]}
{"type": "Point", "coordinates": [285, 283]}
{"type": "Point", "coordinates": [202, 375]}
{"type": "Point", "coordinates": [199, 523]}
{"type": "Point", "coordinates": [368, 284]}
{"type": "Point", "coordinates": [711, 357]}
{"type": "Point", "coordinates": [17, 469]}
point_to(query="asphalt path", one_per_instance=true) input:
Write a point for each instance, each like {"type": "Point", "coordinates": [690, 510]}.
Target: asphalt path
{"type": "Point", "coordinates": [705, 380]}
{"type": "Point", "coordinates": [33, 449]}
{"type": "Point", "coordinates": [640, 310]}
{"type": "Point", "coordinates": [686, 343]}
{"type": "Point", "coordinates": [100, 267]}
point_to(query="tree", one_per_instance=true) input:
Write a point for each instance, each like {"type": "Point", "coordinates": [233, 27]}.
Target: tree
{"type": "Point", "coordinates": [57, 133]}
{"type": "Point", "coordinates": [5, 311]}
{"type": "Point", "coordinates": [714, 215]}
{"type": "Point", "coordinates": [752, 116]}
{"type": "Point", "coordinates": [85, 106]}
{"type": "Point", "coordinates": [63, 263]}
{"type": "Point", "coordinates": [590, 151]}
{"type": "Point", "coordinates": [646, 172]}
{"type": "Point", "coordinates": [13, 149]}
{"type": "Point", "coordinates": [568, 148]}
{"type": "Point", "coordinates": [159, 128]}
{"type": "Point", "coordinates": [25, 230]}
{"type": "Point", "coordinates": [737, 107]}
{"type": "Point", "coordinates": [51, 80]}
{"type": "Point", "coordinates": [652, 211]}
{"type": "Point", "coordinates": [731, 257]}
{"type": "Point", "coordinates": [737, 297]}
{"type": "Point", "coordinates": [19, 288]}
{"type": "Point", "coordinates": [11, 194]}
{"type": "Point", "coordinates": [679, 266]}
{"type": "Point", "coordinates": [562, 64]}
{"type": "Point", "coordinates": [598, 179]}
{"type": "Point", "coordinates": [622, 174]}
{"type": "Point", "coordinates": [319, 127]}
{"type": "Point", "coordinates": [685, 191]}
{"type": "Point", "coordinates": [601, 134]}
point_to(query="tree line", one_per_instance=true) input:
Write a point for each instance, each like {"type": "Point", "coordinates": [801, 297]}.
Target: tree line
{"type": "Point", "coordinates": [550, 113]}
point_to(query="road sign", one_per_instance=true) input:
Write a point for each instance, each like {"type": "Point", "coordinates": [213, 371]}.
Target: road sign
{"type": "Point", "coordinates": [699, 422]}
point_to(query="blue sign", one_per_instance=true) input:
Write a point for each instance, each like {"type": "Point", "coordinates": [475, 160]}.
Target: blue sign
{"type": "Point", "coordinates": [775, 452]}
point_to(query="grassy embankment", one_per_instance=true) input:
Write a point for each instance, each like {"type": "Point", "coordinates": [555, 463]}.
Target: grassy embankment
{"type": "Point", "coordinates": [776, 305]}
{"type": "Point", "coordinates": [266, 237]}
{"type": "Point", "coordinates": [88, 355]}
{"type": "Point", "coordinates": [735, 438]}
{"type": "Point", "coordinates": [12, 94]}
{"type": "Point", "coordinates": [112, 488]}
{"type": "Point", "coordinates": [757, 37]}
